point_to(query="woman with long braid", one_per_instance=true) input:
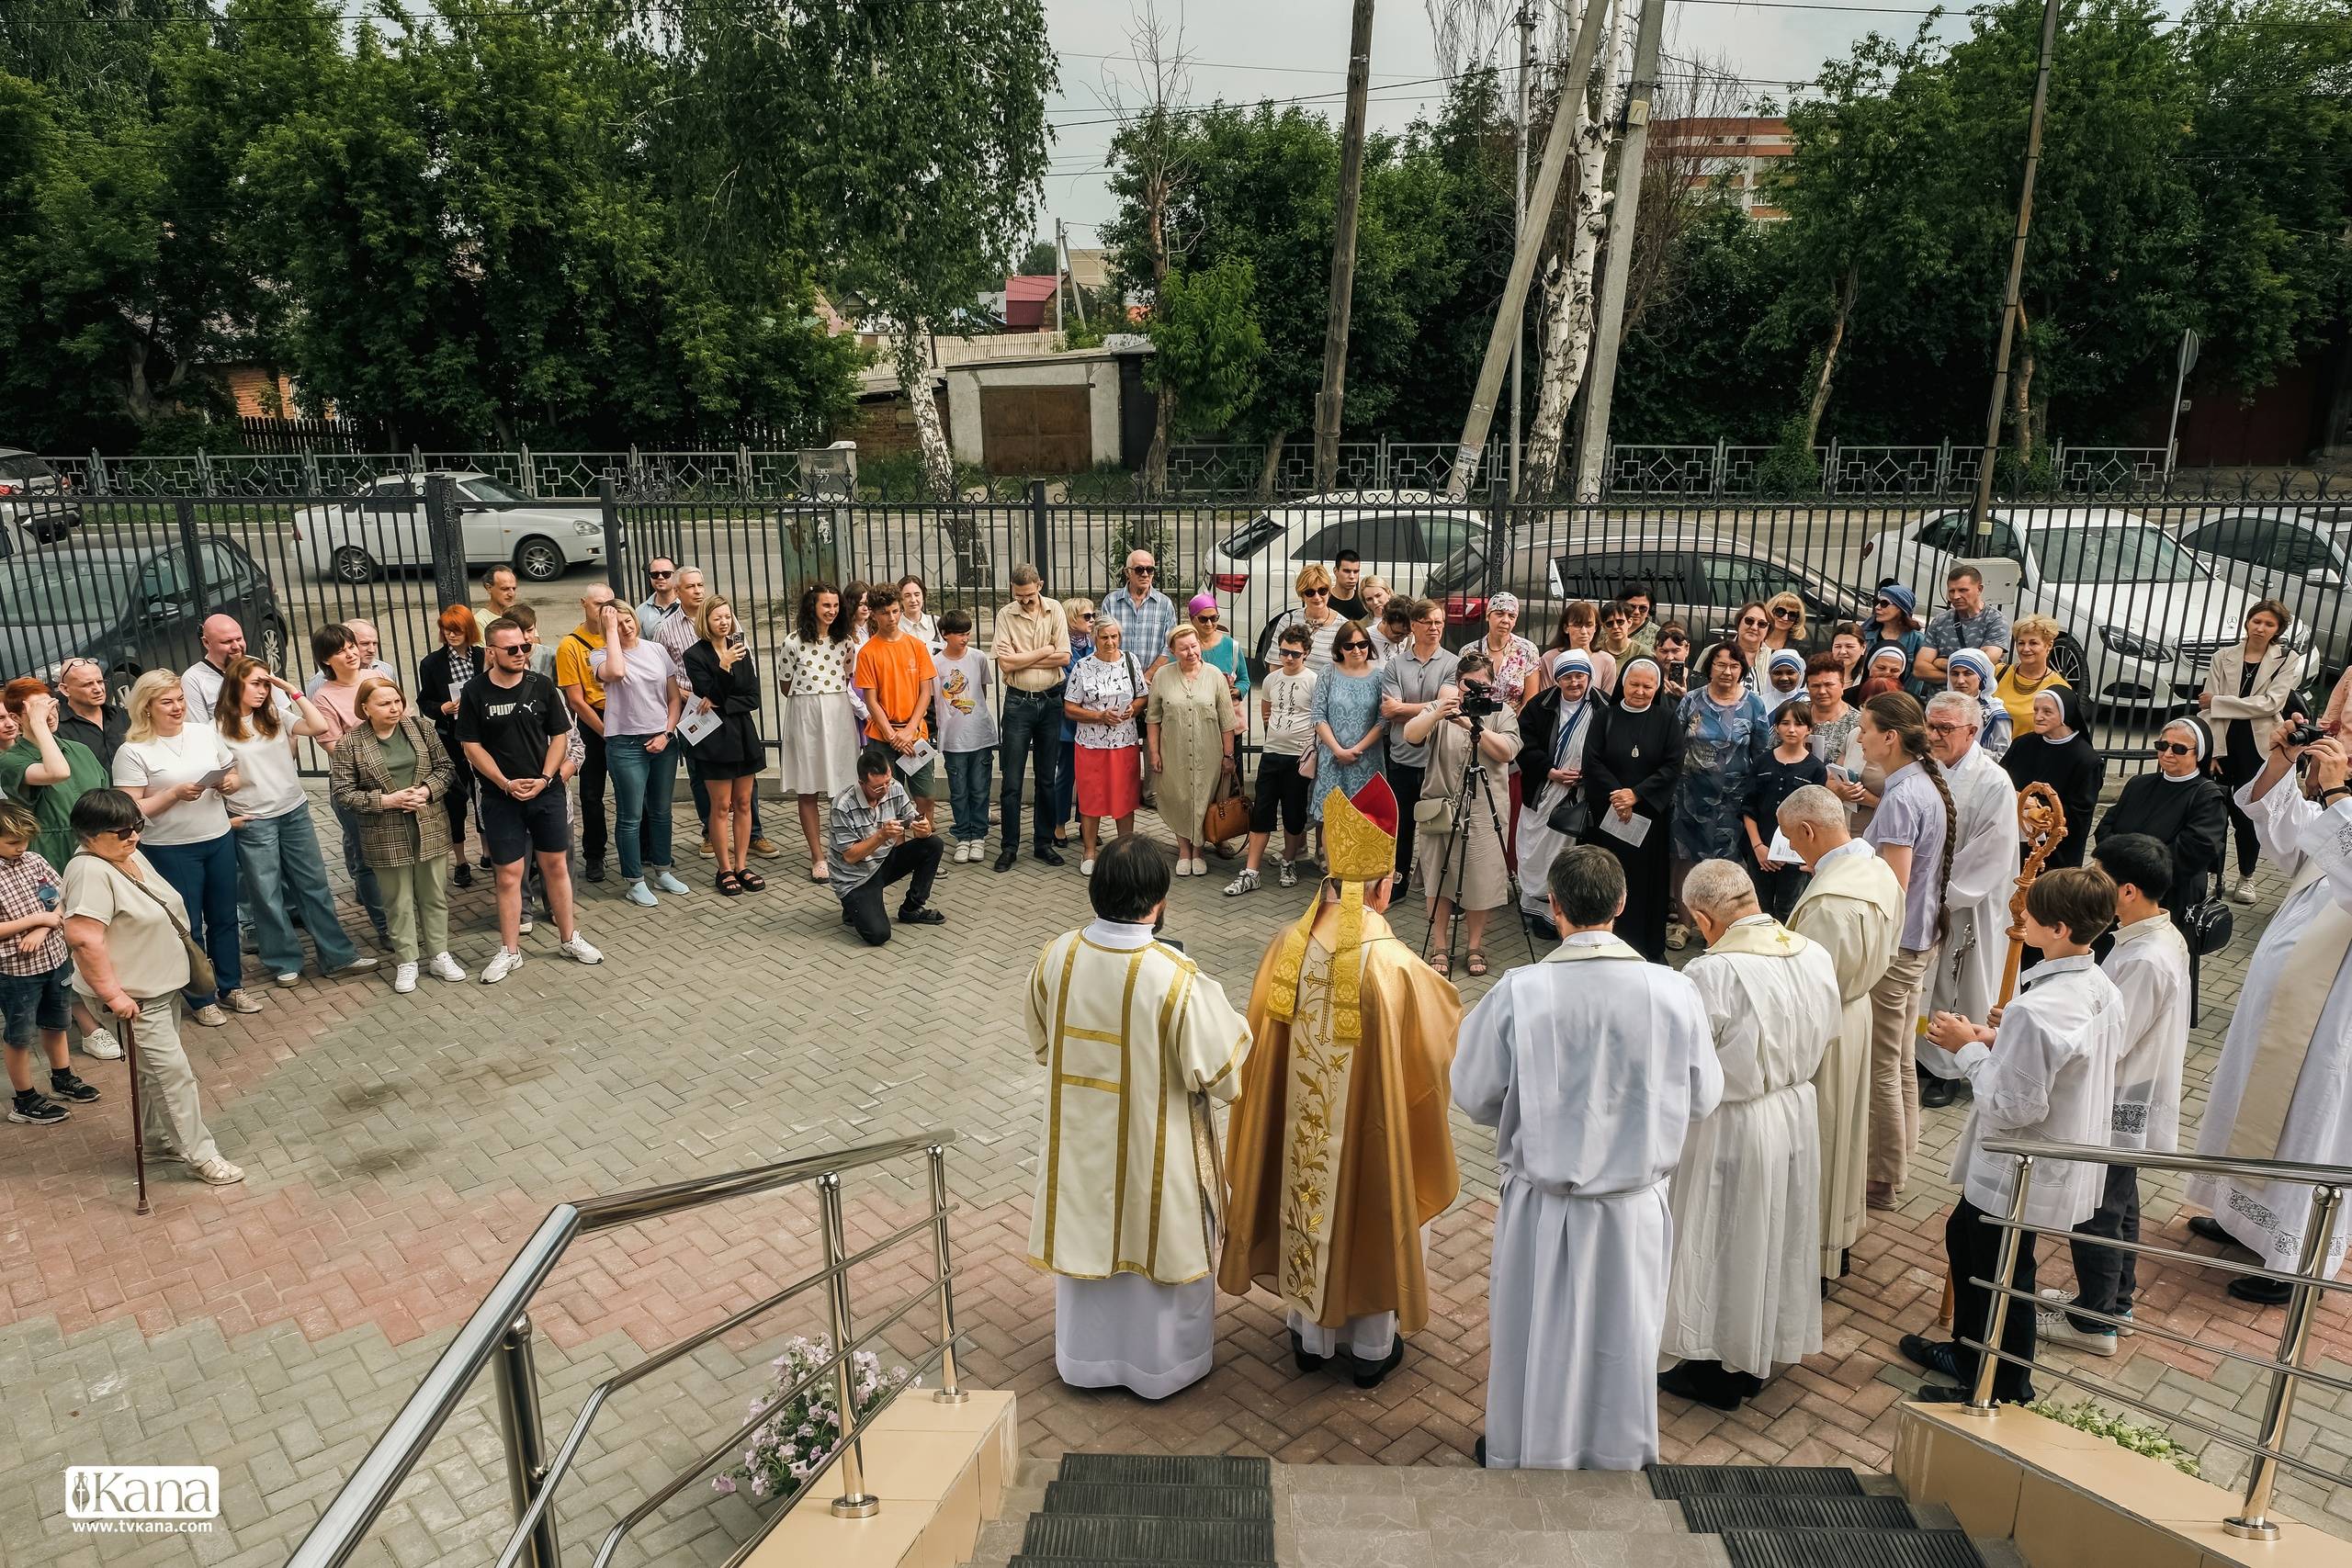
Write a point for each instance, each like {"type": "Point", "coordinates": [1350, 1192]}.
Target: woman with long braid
{"type": "Point", "coordinates": [1913, 829]}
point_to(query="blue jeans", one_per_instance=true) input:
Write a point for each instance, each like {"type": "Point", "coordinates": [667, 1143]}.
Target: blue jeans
{"type": "Point", "coordinates": [282, 869]}
{"type": "Point", "coordinates": [1065, 789]}
{"type": "Point", "coordinates": [968, 793]}
{"type": "Point", "coordinates": [1031, 734]}
{"type": "Point", "coordinates": [363, 876]}
{"type": "Point", "coordinates": [641, 784]}
{"type": "Point", "coordinates": [205, 876]}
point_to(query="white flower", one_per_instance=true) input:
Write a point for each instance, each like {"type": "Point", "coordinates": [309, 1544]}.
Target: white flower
{"type": "Point", "coordinates": [724, 1485]}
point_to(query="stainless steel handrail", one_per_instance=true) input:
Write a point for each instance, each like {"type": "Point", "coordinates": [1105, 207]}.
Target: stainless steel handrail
{"type": "Point", "coordinates": [2305, 1282]}
{"type": "Point", "coordinates": [502, 1320]}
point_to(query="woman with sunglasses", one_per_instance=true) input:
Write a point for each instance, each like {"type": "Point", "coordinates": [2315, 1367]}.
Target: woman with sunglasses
{"type": "Point", "coordinates": [1786, 612]}
{"type": "Point", "coordinates": [1749, 631]}
{"type": "Point", "coordinates": [1894, 623]}
{"type": "Point", "coordinates": [1616, 639]}
{"type": "Point", "coordinates": [1313, 611]}
{"type": "Point", "coordinates": [2059, 755]}
{"type": "Point", "coordinates": [1349, 734]}
{"type": "Point", "coordinates": [2182, 807]}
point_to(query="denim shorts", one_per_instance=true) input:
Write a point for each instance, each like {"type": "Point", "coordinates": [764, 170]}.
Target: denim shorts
{"type": "Point", "coordinates": [31, 1003]}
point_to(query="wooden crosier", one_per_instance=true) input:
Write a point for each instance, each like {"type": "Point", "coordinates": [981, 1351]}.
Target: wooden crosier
{"type": "Point", "coordinates": [2041, 820]}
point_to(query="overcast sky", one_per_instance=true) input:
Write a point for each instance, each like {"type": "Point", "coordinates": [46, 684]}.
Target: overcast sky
{"type": "Point", "coordinates": [1246, 50]}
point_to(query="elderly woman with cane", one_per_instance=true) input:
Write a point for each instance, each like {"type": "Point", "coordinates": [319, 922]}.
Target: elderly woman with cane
{"type": "Point", "coordinates": [133, 955]}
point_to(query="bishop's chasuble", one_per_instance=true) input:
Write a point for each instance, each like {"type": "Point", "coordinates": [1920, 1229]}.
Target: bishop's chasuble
{"type": "Point", "coordinates": [1136, 1041]}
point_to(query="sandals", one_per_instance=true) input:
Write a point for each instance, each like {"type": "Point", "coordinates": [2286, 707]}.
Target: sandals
{"type": "Point", "coordinates": [1476, 962]}
{"type": "Point", "coordinates": [731, 882]}
{"type": "Point", "coordinates": [1443, 964]}
{"type": "Point", "coordinates": [817, 874]}
{"type": "Point", "coordinates": [752, 881]}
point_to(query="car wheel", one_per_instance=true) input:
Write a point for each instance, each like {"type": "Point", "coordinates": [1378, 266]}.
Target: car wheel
{"type": "Point", "coordinates": [539, 559]}
{"type": "Point", "coordinates": [351, 564]}
{"type": "Point", "coordinates": [273, 645]}
{"type": "Point", "coordinates": [2068, 661]}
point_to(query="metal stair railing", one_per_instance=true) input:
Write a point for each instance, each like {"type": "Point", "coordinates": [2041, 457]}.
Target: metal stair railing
{"type": "Point", "coordinates": [2306, 1283]}
{"type": "Point", "coordinates": [500, 1333]}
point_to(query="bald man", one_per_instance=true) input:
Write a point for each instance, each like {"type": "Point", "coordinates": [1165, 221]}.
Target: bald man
{"type": "Point", "coordinates": [223, 639]}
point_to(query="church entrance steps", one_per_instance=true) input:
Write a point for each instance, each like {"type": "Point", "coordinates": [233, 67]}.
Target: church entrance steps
{"type": "Point", "coordinates": [1213, 1511]}
{"type": "Point", "coordinates": [1801, 1516]}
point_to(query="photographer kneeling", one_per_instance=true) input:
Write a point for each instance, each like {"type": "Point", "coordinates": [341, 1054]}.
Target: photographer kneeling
{"type": "Point", "coordinates": [873, 838]}
{"type": "Point", "coordinates": [1462, 861]}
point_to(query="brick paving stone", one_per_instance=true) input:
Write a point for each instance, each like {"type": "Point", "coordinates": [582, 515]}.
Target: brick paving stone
{"type": "Point", "coordinates": [400, 1150]}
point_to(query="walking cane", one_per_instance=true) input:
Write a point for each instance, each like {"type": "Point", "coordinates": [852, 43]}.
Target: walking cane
{"type": "Point", "coordinates": [2042, 822]}
{"type": "Point", "coordinates": [138, 1123]}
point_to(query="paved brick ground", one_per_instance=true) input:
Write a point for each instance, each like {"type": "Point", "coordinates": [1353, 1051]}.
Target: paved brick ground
{"type": "Point", "coordinates": [401, 1148]}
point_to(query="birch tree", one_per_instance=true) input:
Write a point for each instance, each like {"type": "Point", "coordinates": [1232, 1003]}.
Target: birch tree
{"type": "Point", "coordinates": [1566, 337]}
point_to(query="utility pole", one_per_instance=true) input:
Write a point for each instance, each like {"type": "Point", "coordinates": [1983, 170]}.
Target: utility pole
{"type": "Point", "coordinates": [2011, 307]}
{"type": "Point", "coordinates": [1592, 457]}
{"type": "Point", "coordinates": [1061, 258]}
{"type": "Point", "coordinates": [1328, 404]}
{"type": "Point", "coordinates": [1509, 314]}
{"type": "Point", "coordinates": [1519, 212]}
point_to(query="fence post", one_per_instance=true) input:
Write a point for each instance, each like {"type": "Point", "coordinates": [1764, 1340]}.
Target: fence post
{"type": "Point", "coordinates": [310, 473]}
{"type": "Point", "coordinates": [2005, 1270]}
{"type": "Point", "coordinates": [185, 511]}
{"type": "Point", "coordinates": [97, 473]}
{"type": "Point", "coordinates": [1041, 531]}
{"type": "Point", "coordinates": [1720, 476]}
{"type": "Point", "coordinates": [528, 479]}
{"type": "Point", "coordinates": [524, 1436]}
{"type": "Point", "coordinates": [1380, 463]}
{"type": "Point", "coordinates": [743, 485]}
{"type": "Point", "coordinates": [1943, 465]}
{"type": "Point", "coordinates": [1497, 532]}
{"type": "Point", "coordinates": [445, 537]}
{"type": "Point", "coordinates": [636, 470]}
{"type": "Point", "coordinates": [616, 533]}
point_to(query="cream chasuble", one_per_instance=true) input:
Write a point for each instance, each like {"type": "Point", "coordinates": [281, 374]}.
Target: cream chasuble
{"type": "Point", "coordinates": [1136, 1041]}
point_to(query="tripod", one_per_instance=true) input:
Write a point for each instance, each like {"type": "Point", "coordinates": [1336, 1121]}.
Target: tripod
{"type": "Point", "coordinates": [1454, 869]}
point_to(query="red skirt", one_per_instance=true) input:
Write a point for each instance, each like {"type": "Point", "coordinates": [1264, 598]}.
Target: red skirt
{"type": "Point", "coordinates": [1110, 781]}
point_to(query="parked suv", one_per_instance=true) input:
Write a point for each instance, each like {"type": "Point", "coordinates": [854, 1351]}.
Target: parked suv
{"type": "Point", "coordinates": [2301, 556]}
{"type": "Point", "coordinates": [132, 608]}
{"type": "Point", "coordinates": [1695, 575]}
{"type": "Point", "coordinates": [35, 498]}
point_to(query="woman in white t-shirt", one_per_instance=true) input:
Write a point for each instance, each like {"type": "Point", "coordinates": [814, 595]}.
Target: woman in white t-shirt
{"type": "Point", "coordinates": [180, 771]}
{"type": "Point", "coordinates": [278, 843]}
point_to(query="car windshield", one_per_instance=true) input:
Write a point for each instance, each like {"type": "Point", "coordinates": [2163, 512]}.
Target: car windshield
{"type": "Point", "coordinates": [62, 589]}
{"type": "Point", "coordinates": [1252, 537]}
{"type": "Point", "coordinates": [24, 468]}
{"type": "Point", "coordinates": [494, 489]}
{"type": "Point", "coordinates": [2131, 554]}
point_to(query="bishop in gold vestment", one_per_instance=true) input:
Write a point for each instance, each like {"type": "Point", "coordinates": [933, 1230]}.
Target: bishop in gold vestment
{"type": "Point", "coordinates": [1137, 1043]}
{"type": "Point", "coordinates": [1341, 1148]}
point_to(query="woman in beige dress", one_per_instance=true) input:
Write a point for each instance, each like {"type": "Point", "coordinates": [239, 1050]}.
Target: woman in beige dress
{"type": "Point", "coordinates": [1188, 729]}
{"type": "Point", "coordinates": [1462, 861]}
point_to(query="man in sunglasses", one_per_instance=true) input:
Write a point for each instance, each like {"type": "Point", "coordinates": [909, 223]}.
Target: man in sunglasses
{"type": "Point", "coordinates": [662, 576]}
{"type": "Point", "coordinates": [1145, 615]}
{"type": "Point", "coordinates": [1966, 622]}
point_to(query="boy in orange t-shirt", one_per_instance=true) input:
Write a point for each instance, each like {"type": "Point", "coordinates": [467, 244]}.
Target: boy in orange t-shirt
{"type": "Point", "coordinates": [895, 678]}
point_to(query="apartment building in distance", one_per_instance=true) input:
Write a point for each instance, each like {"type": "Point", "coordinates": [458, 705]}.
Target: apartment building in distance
{"type": "Point", "coordinates": [1733, 156]}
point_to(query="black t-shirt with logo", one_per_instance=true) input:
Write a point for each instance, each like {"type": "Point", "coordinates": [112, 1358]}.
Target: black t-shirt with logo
{"type": "Point", "coordinates": [514, 724]}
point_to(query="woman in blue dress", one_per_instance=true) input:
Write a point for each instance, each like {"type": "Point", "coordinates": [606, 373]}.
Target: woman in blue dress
{"type": "Point", "coordinates": [1726, 735]}
{"type": "Point", "coordinates": [1350, 745]}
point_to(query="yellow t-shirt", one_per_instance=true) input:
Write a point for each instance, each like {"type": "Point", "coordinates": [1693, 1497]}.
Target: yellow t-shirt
{"type": "Point", "coordinates": [573, 667]}
{"type": "Point", "coordinates": [2018, 699]}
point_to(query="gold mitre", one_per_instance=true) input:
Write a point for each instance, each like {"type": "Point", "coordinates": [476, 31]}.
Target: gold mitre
{"type": "Point", "coordinates": [1359, 845]}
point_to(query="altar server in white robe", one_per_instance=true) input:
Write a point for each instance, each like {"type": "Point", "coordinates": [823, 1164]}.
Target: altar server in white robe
{"type": "Point", "coordinates": [1966, 978]}
{"type": "Point", "coordinates": [2047, 1075]}
{"type": "Point", "coordinates": [1137, 1043]}
{"type": "Point", "coordinates": [2149, 964]}
{"type": "Point", "coordinates": [1746, 1295]}
{"type": "Point", "coordinates": [1591, 1067]}
{"type": "Point", "coordinates": [2283, 1090]}
{"type": "Point", "coordinates": [1853, 908]}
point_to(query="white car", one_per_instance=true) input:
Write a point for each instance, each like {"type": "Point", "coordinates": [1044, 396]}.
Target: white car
{"type": "Point", "coordinates": [1403, 536]}
{"type": "Point", "coordinates": [2299, 554]}
{"type": "Point", "coordinates": [383, 527]}
{"type": "Point", "coordinates": [2139, 617]}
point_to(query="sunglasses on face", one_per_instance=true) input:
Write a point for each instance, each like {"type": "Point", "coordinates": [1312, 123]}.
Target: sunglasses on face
{"type": "Point", "coordinates": [1315, 593]}
{"type": "Point", "coordinates": [2175, 749]}
{"type": "Point", "coordinates": [1086, 620]}
{"type": "Point", "coordinates": [655, 571]}
{"type": "Point", "coordinates": [1784, 615]}
{"type": "Point", "coordinates": [1355, 648]}
{"type": "Point", "coordinates": [1885, 604]}
{"type": "Point", "coordinates": [508, 648]}
{"type": "Point", "coordinates": [1144, 570]}
{"type": "Point", "coordinates": [1294, 653]}
{"type": "Point", "coordinates": [1205, 619]}
{"type": "Point", "coordinates": [1749, 622]}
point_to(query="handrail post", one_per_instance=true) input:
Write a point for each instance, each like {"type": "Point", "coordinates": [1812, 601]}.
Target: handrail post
{"type": "Point", "coordinates": [946, 1392]}
{"type": "Point", "coordinates": [1980, 1398]}
{"type": "Point", "coordinates": [2252, 1521]}
{"type": "Point", "coordinates": [855, 1502]}
{"type": "Point", "coordinates": [519, 1422]}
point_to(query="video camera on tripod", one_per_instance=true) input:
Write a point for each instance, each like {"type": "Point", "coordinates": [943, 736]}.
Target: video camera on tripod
{"type": "Point", "coordinates": [1479, 701]}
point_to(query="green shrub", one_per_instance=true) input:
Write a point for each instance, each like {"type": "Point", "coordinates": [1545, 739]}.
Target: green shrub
{"type": "Point", "coordinates": [1791, 469]}
{"type": "Point", "coordinates": [2089, 1417]}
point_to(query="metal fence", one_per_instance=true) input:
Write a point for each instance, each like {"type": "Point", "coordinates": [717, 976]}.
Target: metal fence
{"type": "Point", "coordinates": [1220, 470]}
{"type": "Point", "coordinates": [2144, 597]}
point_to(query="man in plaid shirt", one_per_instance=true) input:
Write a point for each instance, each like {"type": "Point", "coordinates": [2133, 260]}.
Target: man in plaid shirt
{"type": "Point", "coordinates": [1145, 615]}
{"type": "Point", "coordinates": [873, 837]}
{"type": "Point", "coordinates": [34, 969]}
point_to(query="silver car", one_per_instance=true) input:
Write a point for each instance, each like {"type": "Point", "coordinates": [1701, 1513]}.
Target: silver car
{"type": "Point", "coordinates": [35, 498]}
{"type": "Point", "coordinates": [2301, 556]}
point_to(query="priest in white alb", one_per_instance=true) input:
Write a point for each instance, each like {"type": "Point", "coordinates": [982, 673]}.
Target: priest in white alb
{"type": "Point", "coordinates": [1986, 859]}
{"type": "Point", "coordinates": [1137, 1043]}
{"type": "Point", "coordinates": [1341, 1151]}
{"type": "Point", "coordinates": [2278, 1091]}
{"type": "Point", "coordinates": [1853, 908]}
{"type": "Point", "coordinates": [1746, 1296]}
{"type": "Point", "coordinates": [1591, 1067]}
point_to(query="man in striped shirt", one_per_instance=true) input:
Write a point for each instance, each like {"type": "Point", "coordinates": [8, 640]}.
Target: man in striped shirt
{"type": "Point", "coordinates": [873, 837]}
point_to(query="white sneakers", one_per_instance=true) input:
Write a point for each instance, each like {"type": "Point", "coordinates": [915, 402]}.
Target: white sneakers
{"type": "Point", "coordinates": [503, 962]}
{"type": "Point", "coordinates": [666, 881]}
{"type": "Point", "coordinates": [241, 1001]}
{"type": "Point", "coordinates": [580, 948]}
{"type": "Point", "coordinates": [101, 1045]}
{"type": "Point", "coordinates": [2242, 892]}
{"type": "Point", "coordinates": [446, 967]}
{"type": "Point", "coordinates": [972, 850]}
{"type": "Point", "coordinates": [1086, 868]}
{"type": "Point", "coordinates": [404, 978]}
{"type": "Point", "coordinates": [641, 895]}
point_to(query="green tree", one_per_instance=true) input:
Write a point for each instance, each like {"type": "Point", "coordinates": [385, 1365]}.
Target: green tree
{"type": "Point", "coordinates": [1206, 345]}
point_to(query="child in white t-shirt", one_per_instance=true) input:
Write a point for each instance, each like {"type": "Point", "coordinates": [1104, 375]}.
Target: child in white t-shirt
{"type": "Point", "coordinates": [1286, 763]}
{"type": "Point", "coordinates": [968, 732]}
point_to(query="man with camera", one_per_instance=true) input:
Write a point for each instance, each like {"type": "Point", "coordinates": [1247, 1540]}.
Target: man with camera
{"type": "Point", "coordinates": [876, 837]}
{"type": "Point", "coordinates": [1461, 834]}
{"type": "Point", "coordinates": [2276, 1092]}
